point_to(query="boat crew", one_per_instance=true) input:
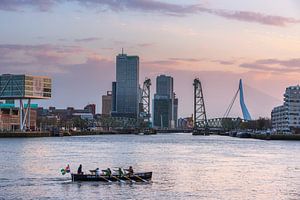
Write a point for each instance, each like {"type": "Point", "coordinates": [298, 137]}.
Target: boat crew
{"type": "Point", "coordinates": [107, 172]}
{"type": "Point", "coordinates": [121, 172]}
{"type": "Point", "coordinates": [97, 172]}
{"type": "Point", "coordinates": [79, 171]}
{"type": "Point", "coordinates": [130, 170]}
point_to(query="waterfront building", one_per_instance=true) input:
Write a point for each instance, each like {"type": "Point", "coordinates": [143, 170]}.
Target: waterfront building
{"type": "Point", "coordinates": [175, 111]}
{"type": "Point", "coordinates": [162, 112]}
{"type": "Point", "coordinates": [24, 87]}
{"type": "Point", "coordinates": [127, 86]}
{"type": "Point", "coordinates": [66, 114]}
{"type": "Point", "coordinates": [114, 98]}
{"type": "Point", "coordinates": [107, 104]}
{"type": "Point", "coordinates": [10, 118]}
{"type": "Point", "coordinates": [91, 108]}
{"type": "Point", "coordinates": [165, 103]}
{"type": "Point", "coordinates": [286, 117]}
{"type": "Point", "coordinates": [185, 123]}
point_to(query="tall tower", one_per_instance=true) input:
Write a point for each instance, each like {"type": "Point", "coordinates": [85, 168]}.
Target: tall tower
{"type": "Point", "coordinates": [127, 85]}
{"type": "Point", "coordinates": [165, 103]}
{"type": "Point", "coordinates": [164, 86]}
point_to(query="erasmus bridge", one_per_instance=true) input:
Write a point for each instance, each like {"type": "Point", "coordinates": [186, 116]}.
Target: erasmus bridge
{"type": "Point", "coordinates": [202, 124]}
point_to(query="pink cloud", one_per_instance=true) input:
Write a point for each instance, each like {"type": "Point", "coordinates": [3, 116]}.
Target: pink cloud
{"type": "Point", "coordinates": [274, 65]}
{"type": "Point", "coordinates": [154, 6]}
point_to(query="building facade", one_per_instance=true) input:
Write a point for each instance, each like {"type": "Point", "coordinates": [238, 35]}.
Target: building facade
{"type": "Point", "coordinates": [165, 86]}
{"type": "Point", "coordinates": [165, 103]}
{"type": "Point", "coordinates": [24, 87]}
{"type": "Point", "coordinates": [286, 117]}
{"type": "Point", "coordinates": [10, 119]}
{"type": "Point", "coordinates": [127, 86]}
{"type": "Point", "coordinates": [91, 108]}
{"type": "Point", "coordinates": [66, 114]}
{"type": "Point", "coordinates": [162, 112]}
{"type": "Point", "coordinates": [107, 104]}
{"type": "Point", "coordinates": [114, 97]}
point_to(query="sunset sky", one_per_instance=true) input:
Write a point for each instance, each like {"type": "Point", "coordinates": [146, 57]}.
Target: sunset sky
{"type": "Point", "coordinates": [220, 41]}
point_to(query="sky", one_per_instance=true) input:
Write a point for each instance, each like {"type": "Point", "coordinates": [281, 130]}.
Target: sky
{"type": "Point", "coordinates": [75, 42]}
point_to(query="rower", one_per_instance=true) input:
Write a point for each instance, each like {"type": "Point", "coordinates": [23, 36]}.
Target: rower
{"type": "Point", "coordinates": [130, 170]}
{"type": "Point", "coordinates": [107, 172]}
{"type": "Point", "coordinates": [97, 172]}
{"type": "Point", "coordinates": [79, 171]}
{"type": "Point", "coordinates": [121, 172]}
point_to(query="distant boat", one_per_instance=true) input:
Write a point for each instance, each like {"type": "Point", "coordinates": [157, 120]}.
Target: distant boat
{"type": "Point", "coordinates": [150, 131]}
{"type": "Point", "coordinates": [232, 133]}
{"type": "Point", "coordinates": [243, 134]}
{"type": "Point", "coordinates": [136, 177]}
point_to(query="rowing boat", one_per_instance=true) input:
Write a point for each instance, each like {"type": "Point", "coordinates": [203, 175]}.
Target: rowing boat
{"type": "Point", "coordinates": [136, 177]}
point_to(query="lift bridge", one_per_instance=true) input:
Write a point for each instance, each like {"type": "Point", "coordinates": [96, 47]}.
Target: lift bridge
{"type": "Point", "coordinates": [203, 126]}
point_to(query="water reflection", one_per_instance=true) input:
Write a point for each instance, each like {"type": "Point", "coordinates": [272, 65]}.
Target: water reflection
{"type": "Point", "coordinates": [184, 167]}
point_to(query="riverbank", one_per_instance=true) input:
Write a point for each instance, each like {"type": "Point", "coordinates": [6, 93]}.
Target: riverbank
{"type": "Point", "coordinates": [49, 134]}
{"type": "Point", "coordinates": [276, 136]}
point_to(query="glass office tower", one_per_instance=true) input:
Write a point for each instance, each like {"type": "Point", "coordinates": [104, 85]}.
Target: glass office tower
{"type": "Point", "coordinates": [127, 86]}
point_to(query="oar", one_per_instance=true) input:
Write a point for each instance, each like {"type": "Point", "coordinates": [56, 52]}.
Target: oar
{"type": "Point", "coordinates": [122, 181]}
{"type": "Point", "coordinates": [123, 176]}
{"type": "Point", "coordinates": [133, 181]}
{"type": "Point", "coordinates": [140, 178]}
{"type": "Point", "coordinates": [106, 179]}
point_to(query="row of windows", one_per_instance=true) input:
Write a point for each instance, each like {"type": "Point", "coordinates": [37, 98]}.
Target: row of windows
{"type": "Point", "coordinates": [44, 84]}
{"type": "Point", "coordinates": [31, 78]}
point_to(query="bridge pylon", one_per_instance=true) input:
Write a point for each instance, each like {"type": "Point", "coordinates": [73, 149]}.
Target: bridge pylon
{"type": "Point", "coordinates": [200, 119]}
{"type": "Point", "coordinates": [145, 115]}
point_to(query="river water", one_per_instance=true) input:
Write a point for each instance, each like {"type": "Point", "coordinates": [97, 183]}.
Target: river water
{"type": "Point", "coordinates": [183, 166]}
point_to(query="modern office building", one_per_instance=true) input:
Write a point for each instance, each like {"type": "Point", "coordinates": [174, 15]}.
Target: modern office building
{"type": "Point", "coordinates": [24, 87]}
{"type": "Point", "coordinates": [127, 86]}
{"type": "Point", "coordinates": [165, 103]}
{"type": "Point", "coordinates": [286, 117]}
{"type": "Point", "coordinates": [107, 104]}
{"type": "Point", "coordinates": [114, 98]}
{"type": "Point", "coordinates": [162, 112]}
{"type": "Point", "coordinates": [175, 111]}
{"type": "Point", "coordinates": [165, 86]}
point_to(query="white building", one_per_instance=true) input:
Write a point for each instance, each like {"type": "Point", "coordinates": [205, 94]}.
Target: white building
{"type": "Point", "coordinates": [287, 116]}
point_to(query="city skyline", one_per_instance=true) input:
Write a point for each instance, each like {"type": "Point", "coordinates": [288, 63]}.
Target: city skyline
{"type": "Point", "coordinates": [220, 42]}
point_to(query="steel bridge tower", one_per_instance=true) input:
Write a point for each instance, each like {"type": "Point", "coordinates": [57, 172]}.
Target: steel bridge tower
{"type": "Point", "coordinates": [145, 104]}
{"type": "Point", "coordinates": [200, 119]}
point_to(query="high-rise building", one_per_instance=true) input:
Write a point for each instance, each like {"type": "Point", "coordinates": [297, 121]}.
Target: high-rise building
{"type": "Point", "coordinates": [175, 111]}
{"type": "Point", "coordinates": [114, 97]}
{"type": "Point", "coordinates": [162, 112]}
{"type": "Point", "coordinates": [107, 103]}
{"type": "Point", "coordinates": [165, 103]}
{"type": "Point", "coordinates": [127, 86]}
{"type": "Point", "coordinates": [287, 116]}
{"type": "Point", "coordinates": [164, 86]}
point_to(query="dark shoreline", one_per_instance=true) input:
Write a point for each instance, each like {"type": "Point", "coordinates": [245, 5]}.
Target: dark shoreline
{"type": "Point", "coordinates": [62, 134]}
{"type": "Point", "coordinates": [86, 133]}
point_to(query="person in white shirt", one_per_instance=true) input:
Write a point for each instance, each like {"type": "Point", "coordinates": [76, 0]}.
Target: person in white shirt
{"type": "Point", "coordinates": [97, 172]}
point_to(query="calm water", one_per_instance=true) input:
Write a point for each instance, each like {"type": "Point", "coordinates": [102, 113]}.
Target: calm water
{"type": "Point", "coordinates": [184, 167]}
